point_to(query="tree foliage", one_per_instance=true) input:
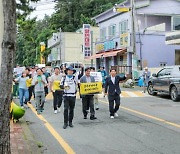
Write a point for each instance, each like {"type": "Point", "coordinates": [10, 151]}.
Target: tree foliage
{"type": "Point", "coordinates": [30, 34]}
{"type": "Point", "coordinates": [69, 15]}
{"type": "Point", "coordinates": [7, 60]}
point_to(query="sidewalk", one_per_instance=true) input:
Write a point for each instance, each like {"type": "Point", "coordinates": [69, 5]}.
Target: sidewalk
{"type": "Point", "coordinates": [21, 139]}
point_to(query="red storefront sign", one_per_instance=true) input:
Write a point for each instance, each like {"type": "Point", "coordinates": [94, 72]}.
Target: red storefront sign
{"type": "Point", "coordinates": [86, 40]}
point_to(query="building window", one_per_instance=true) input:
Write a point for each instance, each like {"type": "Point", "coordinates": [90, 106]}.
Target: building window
{"type": "Point", "coordinates": [162, 64]}
{"type": "Point", "coordinates": [112, 31]}
{"type": "Point", "coordinates": [176, 23]}
{"type": "Point", "coordinates": [123, 27]}
{"type": "Point", "coordinates": [102, 34]}
{"type": "Point", "coordinates": [121, 58]}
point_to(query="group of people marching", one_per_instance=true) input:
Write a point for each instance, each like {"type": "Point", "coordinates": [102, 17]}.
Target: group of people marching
{"type": "Point", "coordinates": [63, 84]}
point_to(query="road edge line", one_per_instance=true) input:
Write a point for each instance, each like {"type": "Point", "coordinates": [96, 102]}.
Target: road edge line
{"type": "Point", "coordinates": [146, 115]}
{"type": "Point", "coordinates": [53, 132]}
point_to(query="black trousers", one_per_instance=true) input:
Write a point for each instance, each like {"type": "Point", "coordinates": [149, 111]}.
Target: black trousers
{"type": "Point", "coordinates": [69, 104]}
{"type": "Point", "coordinates": [46, 90]}
{"type": "Point", "coordinates": [114, 99]}
{"type": "Point", "coordinates": [57, 99]}
{"type": "Point", "coordinates": [31, 91]}
{"type": "Point", "coordinates": [88, 102]}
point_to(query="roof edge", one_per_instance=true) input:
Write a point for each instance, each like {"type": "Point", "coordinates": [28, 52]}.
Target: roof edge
{"type": "Point", "coordinates": [108, 10]}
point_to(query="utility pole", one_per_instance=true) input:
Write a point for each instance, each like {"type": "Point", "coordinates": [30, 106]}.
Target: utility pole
{"type": "Point", "coordinates": [133, 36]}
{"type": "Point", "coordinates": [131, 50]}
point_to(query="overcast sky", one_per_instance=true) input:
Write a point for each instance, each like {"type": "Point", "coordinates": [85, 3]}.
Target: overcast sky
{"type": "Point", "coordinates": [43, 7]}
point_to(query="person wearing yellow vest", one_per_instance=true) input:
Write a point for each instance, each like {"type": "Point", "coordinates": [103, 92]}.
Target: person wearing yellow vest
{"type": "Point", "coordinates": [55, 81]}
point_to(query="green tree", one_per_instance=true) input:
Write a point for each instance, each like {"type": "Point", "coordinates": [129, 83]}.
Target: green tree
{"type": "Point", "coordinates": [7, 49]}
{"type": "Point", "coordinates": [69, 15]}
{"type": "Point", "coordinates": [30, 34]}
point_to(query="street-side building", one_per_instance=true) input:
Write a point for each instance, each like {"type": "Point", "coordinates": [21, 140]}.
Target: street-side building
{"type": "Point", "coordinates": [152, 19]}
{"type": "Point", "coordinates": [67, 47]}
{"type": "Point", "coordinates": [173, 38]}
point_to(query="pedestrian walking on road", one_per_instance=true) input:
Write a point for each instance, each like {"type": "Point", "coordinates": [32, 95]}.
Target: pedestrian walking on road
{"type": "Point", "coordinates": [96, 101]}
{"type": "Point", "coordinates": [39, 81]}
{"type": "Point", "coordinates": [46, 74]}
{"type": "Point", "coordinates": [80, 74]}
{"type": "Point", "coordinates": [113, 89]}
{"type": "Point", "coordinates": [29, 84]}
{"type": "Point", "coordinates": [55, 81]}
{"type": "Point", "coordinates": [69, 83]}
{"type": "Point", "coordinates": [88, 100]}
{"type": "Point", "coordinates": [15, 86]}
{"type": "Point", "coordinates": [23, 89]}
{"type": "Point", "coordinates": [104, 76]}
{"type": "Point", "coordinates": [146, 77]}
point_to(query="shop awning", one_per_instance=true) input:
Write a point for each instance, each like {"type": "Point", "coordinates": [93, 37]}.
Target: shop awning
{"type": "Point", "coordinates": [106, 54]}
{"type": "Point", "coordinates": [173, 38]}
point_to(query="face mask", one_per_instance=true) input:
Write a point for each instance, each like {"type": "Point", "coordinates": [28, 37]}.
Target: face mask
{"type": "Point", "coordinates": [70, 76]}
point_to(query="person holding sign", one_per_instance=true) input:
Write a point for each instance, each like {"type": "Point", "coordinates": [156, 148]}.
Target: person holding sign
{"type": "Point", "coordinates": [87, 99]}
{"type": "Point", "coordinates": [96, 95]}
{"type": "Point", "coordinates": [69, 83]}
{"type": "Point", "coordinates": [113, 88]}
{"type": "Point", "coordinates": [55, 81]}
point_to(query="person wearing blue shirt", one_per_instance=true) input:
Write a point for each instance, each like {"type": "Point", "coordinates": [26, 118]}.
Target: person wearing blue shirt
{"type": "Point", "coordinates": [23, 89]}
{"type": "Point", "coordinates": [104, 75]}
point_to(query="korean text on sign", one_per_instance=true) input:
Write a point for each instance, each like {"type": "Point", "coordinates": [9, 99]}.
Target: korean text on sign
{"type": "Point", "coordinates": [90, 88]}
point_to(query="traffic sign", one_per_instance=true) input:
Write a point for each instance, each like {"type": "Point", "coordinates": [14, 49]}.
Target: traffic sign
{"type": "Point", "coordinates": [123, 9]}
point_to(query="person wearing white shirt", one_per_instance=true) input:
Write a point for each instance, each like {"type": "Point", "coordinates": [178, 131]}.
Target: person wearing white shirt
{"type": "Point", "coordinates": [69, 83]}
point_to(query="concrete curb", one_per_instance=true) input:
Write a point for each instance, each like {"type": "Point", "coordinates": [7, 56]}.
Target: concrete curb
{"type": "Point", "coordinates": [29, 138]}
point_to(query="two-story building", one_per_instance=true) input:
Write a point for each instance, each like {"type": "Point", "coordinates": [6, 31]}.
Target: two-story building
{"type": "Point", "coordinates": [152, 19]}
{"type": "Point", "coordinates": [67, 47]}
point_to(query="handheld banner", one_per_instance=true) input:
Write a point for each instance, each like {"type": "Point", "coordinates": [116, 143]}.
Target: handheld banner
{"type": "Point", "coordinates": [97, 76]}
{"type": "Point", "coordinates": [90, 88]}
{"type": "Point", "coordinates": [29, 82]}
{"type": "Point", "coordinates": [56, 85]}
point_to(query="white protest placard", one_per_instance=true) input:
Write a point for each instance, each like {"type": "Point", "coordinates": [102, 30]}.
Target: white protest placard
{"type": "Point", "coordinates": [19, 70]}
{"type": "Point", "coordinates": [97, 76]}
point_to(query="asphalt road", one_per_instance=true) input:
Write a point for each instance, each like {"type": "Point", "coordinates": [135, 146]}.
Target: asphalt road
{"type": "Point", "coordinates": [146, 125]}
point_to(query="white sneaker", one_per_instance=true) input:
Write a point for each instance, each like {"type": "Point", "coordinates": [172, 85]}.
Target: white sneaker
{"type": "Point", "coordinates": [55, 111]}
{"type": "Point", "coordinates": [59, 109]}
{"type": "Point", "coordinates": [116, 115]}
{"type": "Point", "coordinates": [22, 107]}
{"type": "Point", "coordinates": [112, 117]}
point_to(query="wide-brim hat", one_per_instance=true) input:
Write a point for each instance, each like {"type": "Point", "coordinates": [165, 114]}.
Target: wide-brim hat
{"type": "Point", "coordinates": [70, 68]}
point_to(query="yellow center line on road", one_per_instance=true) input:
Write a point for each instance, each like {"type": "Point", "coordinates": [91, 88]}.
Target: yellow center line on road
{"type": "Point", "coordinates": [124, 94]}
{"type": "Point", "coordinates": [146, 115]}
{"type": "Point", "coordinates": [61, 141]}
